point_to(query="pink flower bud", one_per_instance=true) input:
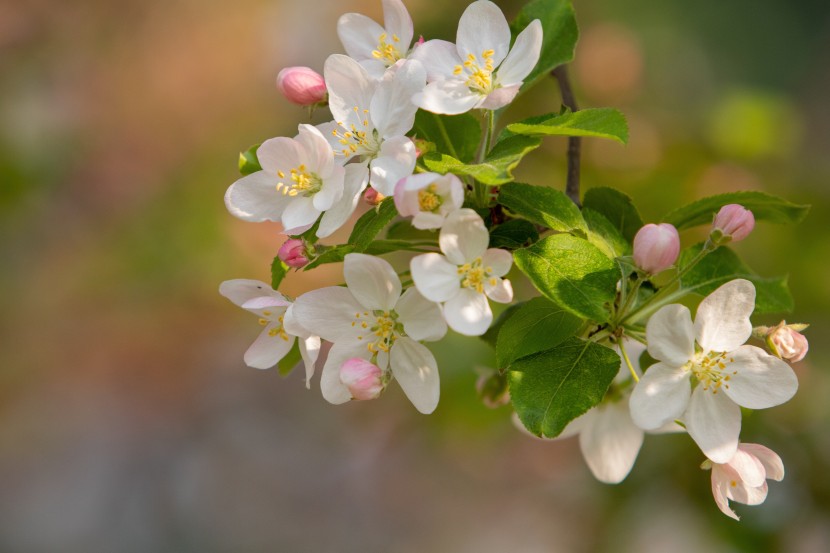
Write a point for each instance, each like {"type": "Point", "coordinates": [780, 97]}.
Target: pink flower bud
{"type": "Point", "coordinates": [656, 247]}
{"type": "Point", "coordinates": [372, 196]}
{"type": "Point", "coordinates": [363, 379]}
{"type": "Point", "coordinates": [733, 223]}
{"type": "Point", "coordinates": [302, 85]}
{"type": "Point", "coordinates": [787, 343]}
{"type": "Point", "coordinates": [293, 253]}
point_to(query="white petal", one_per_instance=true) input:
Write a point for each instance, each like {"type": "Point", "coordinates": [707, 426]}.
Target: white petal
{"type": "Point", "coordinates": [468, 313]}
{"type": "Point", "coordinates": [427, 221]}
{"type": "Point", "coordinates": [359, 35]}
{"type": "Point", "coordinates": [331, 190]}
{"type": "Point", "coordinates": [406, 192]}
{"type": "Point", "coordinates": [449, 97]}
{"type": "Point", "coordinates": [498, 260]}
{"type": "Point", "coordinates": [309, 351]}
{"type": "Point", "coordinates": [483, 27]}
{"type": "Point", "coordinates": [415, 370]}
{"type": "Point", "coordinates": [523, 56]}
{"type": "Point", "coordinates": [334, 391]}
{"type": "Point", "coordinates": [671, 335]}
{"type": "Point", "coordinates": [760, 380]}
{"type": "Point", "coordinates": [349, 85]}
{"type": "Point", "coordinates": [395, 161]}
{"type": "Point", "coordinates": [299, 215]}
{"type": "Point", "coordinates": [242, 290]}
{"type": "Point", "coordinates": [463, 237]}
{"type": "Point", "coordinates": [279, 154]}
{"type": "Point", "coordinates": [329, 313]}
{"type": "Point", "coordinates": [372, 281]}
{"type": "Point", "coordinates": [773, 466]}
{"type": "Point", "coordinates": [661, 396]}
{"type": "Point", "coordinates": [421, 318]}
{"type": "Point", "coordinates": [267, 350]}
{"type": "Point", "coordinates": [499, 97]}
{"type": "Point", "coordinates": [436, 278]}
{"type": "Point", "coordinates": [439, 58]}
{"type": "Point", "coordinates": [356, 179]}
{"type": "Point", "coordinates": [722, 320]}
{"type": "Point", "coordinates": [392, 110]}
{"type": "Point", "coordinates": [254, 198]}
{"type": "Point", "coordinates": [572, 429]}
{"type": "Point", "coordinates": [611, 442]}
{"type": "Point", "coordinates": [319, 155]}
{"type": "Point", "coordinates": [265, 302]}
{"type": "Point", "coordinates": [748, 495]}
{"type": "Point", "coordinates": [748, 467]}
{"type": "Point", "coordinates": [722, 476]}
{"type": "Point", "coordinates": [397, 21]}
{"type": "Point", "coordinates": [714, 423]}
{"type": "Point", "coordinates": [501, 291]}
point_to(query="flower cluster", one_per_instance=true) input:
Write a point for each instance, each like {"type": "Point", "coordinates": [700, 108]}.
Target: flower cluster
{"type": "Point", "coordinates": [605, 286]}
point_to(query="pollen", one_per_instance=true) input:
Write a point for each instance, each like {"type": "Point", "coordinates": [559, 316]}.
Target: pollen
{"type": "Point", "coordinates": [428, 199]}
{"type": "Point", "coordinates": [474, 275]}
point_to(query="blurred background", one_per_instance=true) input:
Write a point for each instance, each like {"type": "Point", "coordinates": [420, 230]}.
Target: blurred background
{"type": "Point", "coordinates": [128, 421]}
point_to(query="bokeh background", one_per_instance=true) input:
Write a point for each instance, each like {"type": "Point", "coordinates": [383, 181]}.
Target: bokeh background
{"type": "Point", "coordinates": [128, 421]}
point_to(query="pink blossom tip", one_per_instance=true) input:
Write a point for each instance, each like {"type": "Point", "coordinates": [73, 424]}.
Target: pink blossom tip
{"type": "Point", "coordinates": [656, 247]}
{"type": "Point", "coordinates": [302, 85]}
{"type": "Point", "coordinates": [787, 343]}
{"type": "Point", "coordinates": [293, 253]}
{"type": "Point", "coordinates": [372, 196]}
{"type": "Point", "coordinates": [733, 223]}
{"type": "Point", "coordinates": [363, 379]}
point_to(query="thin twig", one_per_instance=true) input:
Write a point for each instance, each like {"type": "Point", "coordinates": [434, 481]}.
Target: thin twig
{"type": "Point", "coordinates": [574, 142]}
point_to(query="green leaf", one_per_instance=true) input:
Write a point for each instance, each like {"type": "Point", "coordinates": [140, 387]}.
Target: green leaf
{"type": "Point", "coordinates": [597, 122]}
{"type": "Point", "coordinates": [722, 265]}
{"type": "Point", "coordinates": [617, 208]}
{"type": "Point", "coordinates": [496, 169]}
{"type": "Point", "coordinates": [492, 334]}
{"type": "Point", "coordinates": [278, 272]}
{"type": "Point", "coordinates": [248, 162]}
{"type": "Point", "coordinates": [603, 234]}
{"type": "Point", "coordinates": [371, 223]}
{"type": "Point", "coordinates": [551, 388]}
{"type": "Point", "coordinates": [516, 233]}
{"type": "Point", "coordinates": [765, 207]}
{"type": "Point", "coordinates": [573, 273]}
{"type": "Point", "coordinates": [538, 325]}
{"type": "Point", "coordinates": [288, 363]}
{"type": "Point", "coordinates": [403, 230]}
{"type": "Point", "coordinates": [559, 38]}
{"type": "Point", "coordinates": [543, 206]}
{"type": "Point", "coordinates": [456, 135]}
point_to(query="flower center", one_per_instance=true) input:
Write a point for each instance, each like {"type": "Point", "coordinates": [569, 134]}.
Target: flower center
{"type": "Point", "coordinates": [277, 330]}
{"type": "Point", "coordinates": [474, 275]}
{"type": "Point", "coordinates": [381, 329]}
{"type": "Point", "coordinates": [301, 182]}
{"type": "Point", "coordinates": [479, 76]}
{"type": "Point", "coordinates": [357, 141]}
{"type": "Point", "coordinates": [386, 52]}
{"type": "Point", "coordinates": [428, 199]}
{"type": "Point", "coordinates": [711, 370]}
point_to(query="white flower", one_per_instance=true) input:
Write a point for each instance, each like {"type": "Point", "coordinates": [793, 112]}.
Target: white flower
{"type": "Point", "coordinates": [376, 47]}
{"type": "Point", "coordinates": [299, 181]}
{"type": "Point", "coordinates": [744, 477]}
{"type": "Point", "coordinates": [726, 373]}
{"type": "Point", "coordinates": [428, 198]}
{"type": "Point", "coordinates": [477, 71]}
{"type": "Point", "coordinates": [371, 118]}
{"type": "Point", "coordinates": [370, 319]}
{"type": "Point", "coordinates": [466, 275]}
{"type": "Point", "coordinates": [275, 313]}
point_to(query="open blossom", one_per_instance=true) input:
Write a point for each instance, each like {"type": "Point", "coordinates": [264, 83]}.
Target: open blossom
{"type": "Point", "coordinates": [370, 319]}
{"type": "Point", "coordinates": [656, 247]}
{"type": "Point", "coordinates": [744, 477]}
{"type": "Point", "coordinates": [428, 198]}
{"type": "Point", "coordinates": [480, 70]}
{"type": "Point", "coordinates": [466, 275]}
{"type": "Point", "coordinates": [371, 119]}
{"type": "Point", "coordinates": [728, 374]}
{"type": "Point", "coordinates": [298, 182]}
{"type": "Point", "coordinates": [375, 47]}
{"type": "Point", "coordinates": [302, 85]}
{"type": "Point", "coordinates": [275, 314]}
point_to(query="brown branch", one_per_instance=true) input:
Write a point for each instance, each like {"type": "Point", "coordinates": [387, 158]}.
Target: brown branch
{"type": "Point", "coordinates": [574, 142]}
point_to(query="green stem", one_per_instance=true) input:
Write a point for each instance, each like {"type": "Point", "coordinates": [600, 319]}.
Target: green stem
{"type": "Point", "coordinates": [627, 299]}
{"type": "Point", "coordinates": [628, 361]}
{"type": "Point", "coordinates": [481, 190]}
{"type": "Point", "coordinates": [445, 135]}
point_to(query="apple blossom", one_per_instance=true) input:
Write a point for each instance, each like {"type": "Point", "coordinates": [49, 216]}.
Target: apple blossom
{"type": "Point", "coordinates": [363, 379]}
{"type": "Point", "coordinates": [480, 70]}
{"type": "Point", "coordinates": [656, 247]}
{"type": "Point", "coordinates": [371, 119]}
{"type": "Point", "coordinates": [733, 223]}
{"type": "Point", "coordinates": [743, 477]}
{"type": "Point", "coordinates": [275, 313]}
{"type": "Point", "coordinates": [375, 47]}
{"type": "Point", "coordinates": [428, 198]}
{"type": "Point", "coordinates": [785, 341]}
{"type": "Point", "coordinates": [727, 374]}
{"type": "Point", "coordinates": [298, 182]}
{"type": "Point", "coordinates": [302, 85]}
{"type": "Point", "coordinates": [370, 319]}
{"type": "Point", "coordinates": [293, 253]}
{"type": "Point", "coordinates": [466, 275]}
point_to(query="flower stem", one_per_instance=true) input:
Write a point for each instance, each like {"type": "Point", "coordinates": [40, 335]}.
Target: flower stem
{"type": "Point", "coordinates": [480, 189]}
{"type": "Point", "coordinates": [445, 135]}
{"type": "Point", "coordinates": [574, 142]}
{"type": "Point", "coordinates": [628, 361]}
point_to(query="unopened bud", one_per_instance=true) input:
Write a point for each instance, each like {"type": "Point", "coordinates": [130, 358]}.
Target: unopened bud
{"type": "Point", "coordinates": [302, 85]}
{"type": "Point", "coordinates": [785, 341]}
{"type": "Point", "coordinates": [733, 223]}
{"type": "Point", "coordinates": [293, 253]}
{"type": "Point", "coordinates": [372, 196]}
{"type": "Point", "coordinates": [656, 247]}
{"type": "Point", "coordinates": [363, 379]}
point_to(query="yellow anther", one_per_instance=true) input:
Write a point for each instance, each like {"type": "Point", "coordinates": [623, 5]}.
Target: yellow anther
{"type": "Point", "coordinates": [281, 174]}
{"type": "Point", "coordinates": [263, 322]}
{"type": "Point", "coordinates": [268, 314]}
{"type": "Point", "coordinates": [458, 70]}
